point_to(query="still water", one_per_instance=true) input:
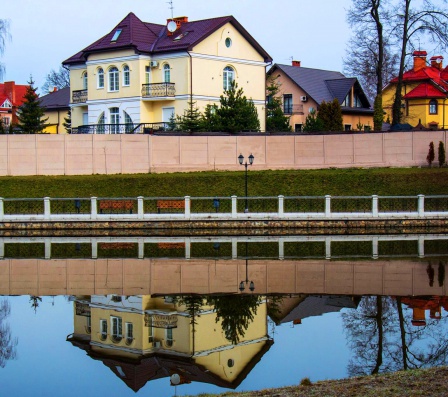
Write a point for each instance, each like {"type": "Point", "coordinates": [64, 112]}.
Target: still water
{"type": "Point", "coordinates": [118, 316]}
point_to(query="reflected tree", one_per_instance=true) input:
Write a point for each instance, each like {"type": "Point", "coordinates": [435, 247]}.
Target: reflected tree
{"type": "Point", "coordinates": [235, 312]}
{"type": "Point", "coordinates": [35, 300]}
{"type": "Point", "coordinates": [7, 342]}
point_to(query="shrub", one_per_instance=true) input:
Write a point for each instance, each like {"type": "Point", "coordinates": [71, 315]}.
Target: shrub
{"type": "Point", "coordinates": [442, 155]}
{"type": "Point", "coordinates": [431, 155]}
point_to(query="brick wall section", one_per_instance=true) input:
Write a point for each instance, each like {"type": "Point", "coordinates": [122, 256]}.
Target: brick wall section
{"type": "Point", "coordinates": [133, 154]}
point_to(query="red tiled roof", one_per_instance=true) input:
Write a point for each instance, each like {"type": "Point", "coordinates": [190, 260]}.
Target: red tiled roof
{"type": "Point", "coordinates": [152, 38]}
{"type": "Point", "coordinates": [19, 90]}
{"type": "Point", "coordinates": [426, 90]}
{"type": "Point", "coordinates": [428, 73]}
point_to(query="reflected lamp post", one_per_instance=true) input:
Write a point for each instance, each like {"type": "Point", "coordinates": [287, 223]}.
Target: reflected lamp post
{"type": "Point", "coordinates": [241, 161]}
{"type": "Point", "coordinates": [243, 283]}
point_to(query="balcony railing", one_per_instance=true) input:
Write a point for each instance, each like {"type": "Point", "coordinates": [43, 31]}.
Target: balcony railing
{"type": "Point", "coordinates": [156, 90]}
{"type": "Point", "coordinates": [293, 109]}
{"type": "Point", "coordinates": [79, 96]}
{"type": "Point", "coordinates": [130, 128]}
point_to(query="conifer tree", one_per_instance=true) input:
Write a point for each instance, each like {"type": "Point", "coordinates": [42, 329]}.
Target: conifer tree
{"type": "Point", "coordinates": [68, 121]}
{"type": "Point", "coordinates": [191, 120]}
{"type": "Point", "coordinates": [431, 155]}
{"type": "Point", "coordinates": [275, 118]}
{"type": "Point", "coordinates": [210, 120]}
{"type": "Point", "coordinates": [313, 123]}
{"type": "Point", "coordinates": [2, 126]}
{"type": "Point", "coordinates": [330, 114]}
{"type": "Point", "coordinates": [442, 154]}
{"type": "Point", "coordinates": [31, 114]}
{"type": "Point", "coordinates": [237, 113]}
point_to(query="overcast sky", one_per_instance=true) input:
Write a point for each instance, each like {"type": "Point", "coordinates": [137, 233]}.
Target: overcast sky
{"type": "Point", "coordinates": [45, 33]}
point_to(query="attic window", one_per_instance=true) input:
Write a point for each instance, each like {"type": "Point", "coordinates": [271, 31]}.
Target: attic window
{"type": "Point", "coordinates": [182, 35]}
{"type": "Point", "coordinates": [116, 35]}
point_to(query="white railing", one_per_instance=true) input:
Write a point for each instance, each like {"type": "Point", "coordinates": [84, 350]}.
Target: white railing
{"type": "Point", "coordinates": [223, 208]}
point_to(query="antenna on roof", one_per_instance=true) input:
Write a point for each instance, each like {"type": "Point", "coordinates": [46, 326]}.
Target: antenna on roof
{"type": "Point", "coordinates": [171, 8]}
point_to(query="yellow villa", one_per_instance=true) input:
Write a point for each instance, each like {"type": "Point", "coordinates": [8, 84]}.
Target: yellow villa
{"type": "Point", "coordinates": [138, 75]}
{"type": "Point", "coordinates": [425, 91]}
{"type": "Point", "coordinates": [141, 339]}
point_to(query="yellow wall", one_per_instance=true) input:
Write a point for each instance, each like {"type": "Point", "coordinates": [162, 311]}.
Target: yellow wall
{"type": "Point", "coordinates": [55, 121]}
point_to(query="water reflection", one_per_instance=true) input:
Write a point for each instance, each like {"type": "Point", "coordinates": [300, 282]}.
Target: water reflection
{"type": "Point", "coordinates": [172, 311]}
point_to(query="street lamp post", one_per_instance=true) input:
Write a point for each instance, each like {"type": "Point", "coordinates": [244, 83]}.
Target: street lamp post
{"type": "Point", "coordinates": [243, 284]}
{"type": "Point", "coordinates": [241, 160]}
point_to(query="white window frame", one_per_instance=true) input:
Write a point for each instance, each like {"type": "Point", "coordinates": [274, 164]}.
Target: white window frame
{"type": "Point", "coordinates": [129, 329]}
{"type": "Point", "coordinates": [100, 78]}
{"type": "Point", "coordinates": [126, 76]}
{"type": "Point", "coordinates": [114, 114]}
{"type": "Point", "coordinates": [166, 73]}
{"type": "Point", "coordinates": [147, 74]}
{"type": "Point", "coordinates": [169, 339]}
{"type": "Point", "coordinates": [228, 76]}
{"type": "Point", "coordinates": [116, 328]}
{"type": "Point", "coordinates": [85, 81]}
{"type": "Point", "coordinates": [103, 329]}
{"type": "Point", "coordinates": [114, 79]}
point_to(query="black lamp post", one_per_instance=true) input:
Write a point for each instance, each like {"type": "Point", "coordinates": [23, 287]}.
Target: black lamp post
{"type": "Point", "coordinates": [241, 160]}
{"type": "Point", "coordinates": [243, 284]}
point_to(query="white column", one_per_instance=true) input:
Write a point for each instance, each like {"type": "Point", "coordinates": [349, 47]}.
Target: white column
{"type": "Point", "coordinates": [281, 206]}
{"type": "Point", "coordinates": [94, 248]}
{"type": "Point", "coordinates": [421, 205]}
{"type": "Point", "coordinates": [47, 209]}
{"type": "Point", "coordinates": [281, 248]}
{"type": "Point", "coordinates": [187, 248]}
{"type": "Point", "coordinates": [234, 207]}
{"type": "Point", "coordinates": [375, 206]}
{"type": "Point", "coordinates": [2, 209]}
{"type": "Point", "coordinates": [93, 209]}
{"type": "Point", "coordinates": [2, 248]}
{"type": "Point", "coordinates": [141, 248]}
{"type": "Point", "coordinates": [187, 207]}
{"type": "Point", "coordinates": [327, 206]}
{"type": "Point", "coordinates": [234, 248]}
{"type": "Point", "coordinates": [375, 248]}
{"type": "Point", "coordinates": [140, 207]}
{"type": "Point", "coordinates": [327, 248]}
{"type": "Point", "coordinates": [47, 248]}
{"type": "Point", "coordinates": [421, 246]}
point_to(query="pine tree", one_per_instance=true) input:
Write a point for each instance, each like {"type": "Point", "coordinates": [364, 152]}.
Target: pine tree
{"type": "Point", "coordinates": [210, 120]}
{"type": "Point", "coordinates": [431, 155]}
{"type": "Point", "coordinates": [30, 113]}
{"type": "Point", "coordinates": [378, 114]}
{"type": "Point", "coordinates": [236, 112]}
{"type": "Point", "coordinates": [275, 118]}
{"type": "Point", "coordinates": [172, 124]}
{"type": "Point", "coordinates": [313, 123]}
{"type": "Point", "coordinates": [68, 121]}
{"type": "Point", "coordinates": [191, 120]}
{"type": "Point", "coordinates": [2, 126]}
{"type": "Point", "coordinates": [330, 114]}
{"type": "Point", "coordinates": [442, 154]}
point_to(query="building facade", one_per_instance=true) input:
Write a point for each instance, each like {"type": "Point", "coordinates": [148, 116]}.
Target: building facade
{"type": "Point", "coordinates": [144, 73]}
{"type": "Point", "coordinates": [424, 93]}
{"type": "Point", "coordinates": [303, 90]}
{"type": "Point", "coordinates": [57, 106]}
{"type": "Point", "coordinates": [11, 98]}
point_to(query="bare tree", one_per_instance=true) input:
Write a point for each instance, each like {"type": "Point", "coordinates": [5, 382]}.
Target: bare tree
{"type": "Point", "coordinates": [430, 22]}
{"type": "Point", "coordinates": [4, 37]}
{"type": "Point", "coordinates": [7, 342]}
{"type": "Point", "coordinates": [59, 79]}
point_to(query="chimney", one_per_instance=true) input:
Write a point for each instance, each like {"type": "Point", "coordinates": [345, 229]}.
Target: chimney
{"type": "Point", "coordinates": [419, 60]}
{"type": "Point", "coordinates": [55, 89]}
{"type": "Point", "coordinates": [179, 22]}
{"type": "Point", "coordinates": [296, 64]}
{"type": "Point", "coordinates": [10, 91]}
{"type": "Point", "coordinates": [436, 62]}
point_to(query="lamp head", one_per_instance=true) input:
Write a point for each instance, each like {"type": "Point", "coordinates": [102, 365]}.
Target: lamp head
{"type": "Point", "coordinates": [251, 159]}
{"type": "Point", "coordinates": [241, 159]}
{"type": "Point", "coordinates": [252, 286]}
{"type": "Point", "coordinates": [242, 286]}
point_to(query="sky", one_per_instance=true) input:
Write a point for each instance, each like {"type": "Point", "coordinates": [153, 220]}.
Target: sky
{"type": "Point", "coordinates": [47, 32]}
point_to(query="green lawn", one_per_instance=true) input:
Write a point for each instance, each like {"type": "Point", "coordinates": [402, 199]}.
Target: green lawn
{"type": "Point", "coordinates": [360, 182]}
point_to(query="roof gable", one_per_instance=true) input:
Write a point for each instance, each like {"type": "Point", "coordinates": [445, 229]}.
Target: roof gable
{"type": "Point", "coordinates": [339, 88]}
{"type": "Point", "coordinates": [426, 90]}
{"type": "Point", "coordinates": [152, 38]}
{"type": "Point", "coordinates": [5, 102]}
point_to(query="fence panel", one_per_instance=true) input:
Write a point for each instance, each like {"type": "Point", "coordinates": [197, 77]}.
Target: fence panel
{"type": "Point", "coordinates": [206, 205]}
{"type": "Point", "coordinates": [436, 203]}
{"type": "Point", "coordinates": [257, 204]}
{"type": "Point", "coordinates": [304, 204]}
{"type": "Point", "coordinates": [23, 206]}
{"type": "Point", "coordinates": [398, 204]}
{"type": "Point", "coordinates": [70, 205]}
{"type": "Point", "coordinates": [351, 204]}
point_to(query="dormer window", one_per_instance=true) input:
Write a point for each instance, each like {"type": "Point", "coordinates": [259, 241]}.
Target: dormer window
{"type": "Point", "coordinates": [6, 104]}
{"type": "Point", "coordinates": [116, 35]}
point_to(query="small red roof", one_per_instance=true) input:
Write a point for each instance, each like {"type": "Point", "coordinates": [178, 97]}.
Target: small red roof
{"type": "Point", "coordinates": [19, 93]}
{"type": "Point", "coordinates": [428, 73]}
{"type": "Point", "coordinates": [426, 90]}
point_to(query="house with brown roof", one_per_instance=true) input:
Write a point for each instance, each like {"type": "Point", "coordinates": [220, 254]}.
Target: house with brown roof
{"type": "Point", "coordinates": [304, 89]}
{"type": "Point", "coordinates": [143, 73]}
{"type": "Point", "coordinates": [57, 105]}
{"type": "Point", "coordinates": [11, 98]}
{"type": "Point", "coordinates": [424, 93]}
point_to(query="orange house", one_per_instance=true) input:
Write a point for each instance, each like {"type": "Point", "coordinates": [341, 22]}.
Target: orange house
{"type": "Point", "coordinates": [11, 98]}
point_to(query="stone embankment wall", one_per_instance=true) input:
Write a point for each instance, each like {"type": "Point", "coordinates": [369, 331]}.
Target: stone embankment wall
{"type": "Point", "coordinates": [132, 154]}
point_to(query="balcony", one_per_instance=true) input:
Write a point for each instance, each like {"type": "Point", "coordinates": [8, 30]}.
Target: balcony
{"type": "Point", "coordinates": [79, 96]}
{"type": "Point", "coordinates": [158, 90]}
{"type": "Point", "coordinates": [292, 109]}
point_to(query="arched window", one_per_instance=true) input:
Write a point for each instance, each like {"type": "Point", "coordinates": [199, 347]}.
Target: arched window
{"type": "Point", "coordinates": [101, 122]}
{"type": "Point", "coordinates": [113, 79]}
{"type": "Point", "coordinates": [126, 75]}
{"type": "Point", "coordinates": [128, 121]}
{"type": "Point", "coordinates": [100, 81]}
{"type": "Point", "coordinates": [433, 106]}
{"type": "Point", "coordinates": [228, 76]}
{"type": "Point", "coordinates": [84, 81]}
{"type": "Point", "coordinates": [166, 73]}
{"type": "Point", "coordinates": [114, 120]}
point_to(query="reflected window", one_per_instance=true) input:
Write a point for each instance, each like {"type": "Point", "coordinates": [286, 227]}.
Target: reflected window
{"type": "Point", "coordinates": [129, 333]}
{"type": "Point", "coordinates": [117, 329]}
{"type": "Point", "coordinates": [103, 329]}
{"type": "Point", "coordinates": [169, 337]}
{"type": "Point", "coordinates": [89, 325]}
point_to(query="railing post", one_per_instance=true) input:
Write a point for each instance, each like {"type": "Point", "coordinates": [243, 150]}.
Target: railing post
{"type": "Point", "coordinates": [47, 248]}
{"type": "Point", "coordinates": [187, 207]}
{"type": "Point", "coordinates": [2, 248]}
{"type": "Point", "coordinates": [234, 248]}
{"type": "Point", "coordinates": [187, 248]}
{"type": "Point", "coordinates": [421, 246]}
{"type": "Point", "coordinates": [2, 209]}
{"type": "Point", "coordinates": [327, 206]}
{"type": "Point", "coordinates": [140, 207]}
{"type": "Point", "coordinates": [47, 209]}
{"type": "Point", "coordinates": [375, 206]}
{"type": "Point", "coordinates": [93, 208]}
{"type": "Point", "coordinates": [375, 248]}
{"type": "Point", "coordinates": [421, 205]}
{"type": "Point", "coordinates": [281, 248]}
{"type": "Point", "coordinates": [327, 248]}
{"type": "Point", "coordinates": [234, 207]}
{"type": "Point", "coordinates": [94, 243]}
{"type": "Point", "coordinates": [141, 248]}
{"type": "Point", "coordinates": [281, 205]}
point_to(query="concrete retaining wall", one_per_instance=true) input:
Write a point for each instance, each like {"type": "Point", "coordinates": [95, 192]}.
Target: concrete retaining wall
{"type": "Point", "coordinates": [132, 154]}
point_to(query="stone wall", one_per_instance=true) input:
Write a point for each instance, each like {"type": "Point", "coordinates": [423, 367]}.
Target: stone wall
{"type": "Point", "coordinates": [132, 154]}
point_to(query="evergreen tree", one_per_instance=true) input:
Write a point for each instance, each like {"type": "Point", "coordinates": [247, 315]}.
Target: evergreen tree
{"type": "Point", "coordinates": [171, 125]}
{"type": "Point", "coordinates": [275, 118]}
{"type": "Point", "coordinates": [2, 126]}
{"type": "Point", "coordinates": [236, 112]}
{"type": "Point", "coordinates": [68, 121]}
{"type": "Point", "coordinates": [442, 155]}
{"type": "Point", "coordinates": [210, 120]}
{"type": "Point", "coordinates": [431, 155]}
{"type": "Point", "coordinates": [313, 123]}
{"type": "Point", "coordinates": [330, 114]}
{"type": "Point", "coordinates": [30, 113]}
{"type": "Point", "coordinates": [191, 120]}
